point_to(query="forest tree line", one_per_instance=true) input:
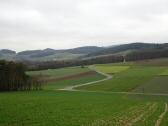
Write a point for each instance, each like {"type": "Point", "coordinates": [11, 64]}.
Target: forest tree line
{"type": "Point", "coordinates": [70, 63]}
{"type": "Point", "coordinates": [133, 56]}
{"type": "Point", "coordinates": [146, 54]}
{"type": "Point", "coordinates": [14, 78]}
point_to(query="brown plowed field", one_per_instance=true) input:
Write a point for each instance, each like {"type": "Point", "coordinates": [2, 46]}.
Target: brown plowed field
{"type": "Point", "coordinates": [54, 79]}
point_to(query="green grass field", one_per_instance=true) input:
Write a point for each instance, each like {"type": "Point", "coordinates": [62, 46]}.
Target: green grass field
{"type": "Point", "coordinates": [111, 69]}
{"type": "Point", "coordinates": [74, 81]}
{"type": "Point", "coordinates": [66, 72]}
{"type": "Point", "coordinates": [126, 80]}
{"type": "Point", "coordinates": [156, 85]}
{"type": "Point", "coordinates": [60, 108]}
{"type": "Point", "coordinates": [165, 72]}
{"type": "Point", "coordinates": [62, 72]}
{"type": "Point", "coordinates": [95, 105]}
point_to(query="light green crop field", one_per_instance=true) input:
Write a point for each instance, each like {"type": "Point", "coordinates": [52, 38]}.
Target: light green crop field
{"type": "Point", "coordinates": [60, 108]}
{"type": "Point", "coordinates": [62, 72]}
{"type": "Point", "coordinates": [165, 72]}
{"type": "Point", "coordinates": [126, 80]}
{"type": "Point", "coordinates": [111, 69]}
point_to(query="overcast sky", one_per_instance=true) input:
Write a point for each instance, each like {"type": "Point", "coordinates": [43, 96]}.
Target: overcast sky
{"type": "Point", "coordinates": [38, 24]}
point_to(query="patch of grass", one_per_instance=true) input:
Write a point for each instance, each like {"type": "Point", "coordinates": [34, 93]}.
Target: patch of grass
{"type": "Point", "coordinates": [165, 120]}
{"type": "Point", "coordinates": [156, 85]}
{"type": "Point", "coordinates": [42, 108]}
{"type": "Point", "coordinates": [151, 115]}
{"type": "Point", "coordinates": [126, 80]}
{"type": "Point", "coordinates": [165, 73]}
{"type": "Point", "coordinates": [74, 81]}
{"type": "Point", "coordinates": [111, 69]}
{"type": "Point", "coordinates": [62, 72]}
{"type": "Point", "coordinates": [67, 72]}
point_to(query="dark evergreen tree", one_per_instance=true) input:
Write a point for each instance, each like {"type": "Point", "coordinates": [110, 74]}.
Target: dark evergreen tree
{"type": "Point", "coordinates": [13, 78]}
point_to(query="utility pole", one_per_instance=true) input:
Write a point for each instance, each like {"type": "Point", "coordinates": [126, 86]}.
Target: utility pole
{"type": "Point", "coordinates": [124, 59]}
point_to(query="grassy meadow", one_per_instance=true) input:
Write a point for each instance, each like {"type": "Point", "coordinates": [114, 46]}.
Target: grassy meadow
{"type": "Point", "coordinates": [111, 69]}
{"type": "Point", "coordinates": [165, 72]}
{"type": "Point", "coordinates": [156, 85]}
{"type": "Point", "coordinates": [69, 76]}
{"type": "Point", "coordinates": [61, 72]}
{"type": "Point", "coordinates": [60, 84]}
{"type": "Point", "coordinates": [127, 80]}
{"type": "Point", "coordinates": [61, 108]}
{"type": "Point", "coordinates": [95, 105]}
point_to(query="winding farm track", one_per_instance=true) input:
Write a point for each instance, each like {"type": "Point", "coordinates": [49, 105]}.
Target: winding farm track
{"type": "Point", "coordinates": [108, 77]}
{"type": "Point", "coordinates": [72, 88]}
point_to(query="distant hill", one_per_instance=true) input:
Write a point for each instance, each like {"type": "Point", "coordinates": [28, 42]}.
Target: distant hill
{"type": "Point", "coordinates": [48, 54]}
{"type": "Point", "coordinates": [85, 52]}
{"type": "Point", "coordinates": [7, 54]}
{"type": "Point", "coordinates": [7, 51]}
{"type": "Point", "coordinates": [38, 53]}
{"type": "Point", "coordinates": [128, 48]}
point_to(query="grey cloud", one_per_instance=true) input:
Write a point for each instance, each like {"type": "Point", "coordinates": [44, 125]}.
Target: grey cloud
{"type": "Point", "coordinates": [34, 24]}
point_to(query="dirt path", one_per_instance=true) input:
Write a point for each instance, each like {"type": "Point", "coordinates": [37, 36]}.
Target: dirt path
{"type": "Point", "coordinates": [54, 79]}
{"type": "Point", "coordinates": [72, 88]}
{"type": "Point", "coordinates": [158, 122]}
{"type": "Point", "coordinates": [108, 77]}
{"type": "Point", "coordinates": [127, 93]}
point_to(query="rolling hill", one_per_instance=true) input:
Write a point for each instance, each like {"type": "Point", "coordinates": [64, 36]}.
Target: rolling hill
{"type": "Point", "coordinates": [128, 48]}
{"type": "Point", "coordinates": [48, 54]}
{"type": "Point", "coordinates": [81, 52]}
